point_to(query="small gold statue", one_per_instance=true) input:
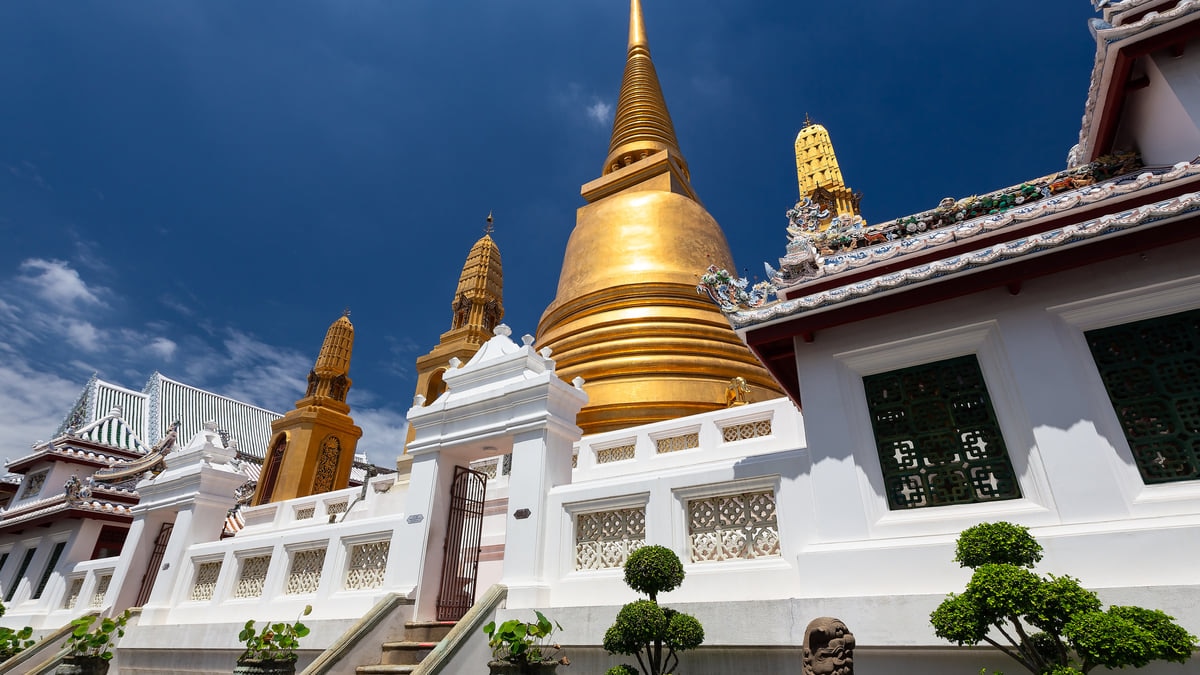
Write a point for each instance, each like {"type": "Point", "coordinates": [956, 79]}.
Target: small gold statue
{"type": "Point", "coordinates": [735, 393]}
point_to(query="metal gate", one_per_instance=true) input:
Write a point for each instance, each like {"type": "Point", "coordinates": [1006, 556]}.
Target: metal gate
{"type": "Point", "coordinates": [460, 553]}
{"type": "Point", "coordinates": [156, 556]}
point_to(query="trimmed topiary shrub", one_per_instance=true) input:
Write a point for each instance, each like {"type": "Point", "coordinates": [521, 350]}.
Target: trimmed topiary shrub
{"type": "Point", "coordinates": [643, 629]}
{"type": "Point", "coordinates": [1050, 625]}
{"type": "Point", "coordinates": [653, 570]}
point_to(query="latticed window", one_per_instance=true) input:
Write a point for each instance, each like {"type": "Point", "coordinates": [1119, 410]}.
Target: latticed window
{"type": "Point", "coordinates": [604, 539]}
{"type": "Point", "coordinates": [615, 454]}
{"type": "Point", "coordinates": [937, 436]}
{"type": "Point", "coordinates": [305, 512]}
{"type": "Point", "coordinates": [732, 527]}
{"type": "Point", "coordinates": [252, 577]}
{"type": "Point", "coordinates": [677, 443]}
{"type": "Point", "coordinates": [741, 432]}
{"type": "Point", "coordinates": [205, 585]}
{"type": "Point", "coordinates": [368, 562]}
{"type": "Point", "coordinates": [102, 583]}
{"type": "Point", "coordinates": [491, 466]}
{"type": "Point", "coordinates": [1151, 370]}
{"type": "Point", "coordinates": [305, 575]}
{"type": "Point", "coordinates": [73, 591]}
{"type": "Point", "coordinates": [336, 507]}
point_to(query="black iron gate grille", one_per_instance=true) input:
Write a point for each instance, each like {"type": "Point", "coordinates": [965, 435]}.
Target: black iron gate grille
{"type": "Point", "coordinates": [156, 556]}
{"type": "Point", "coordinates": [460, 553]}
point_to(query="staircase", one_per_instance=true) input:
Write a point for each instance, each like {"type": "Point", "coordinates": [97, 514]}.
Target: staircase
{"type": "Point", "coordinates": [420, 637]}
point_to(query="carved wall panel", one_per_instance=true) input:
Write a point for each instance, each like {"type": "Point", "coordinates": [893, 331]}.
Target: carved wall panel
{"type": "Point", "coordinates": [252, 577]}
{"type": "Point", "coordinates": [305, 574]}
{"type": "Point", "coordinates": [367, 565]}
{"type": "Point", "coordinates": [732, 527]}
{"type": "Point", "coordinates": [604, 539]}
{"type": "Point", "coordinates": [741, 432]}
{"type": "Point", "coordinates": [677, 443]}
{"type": "Point", "coordinates": [205, 585]}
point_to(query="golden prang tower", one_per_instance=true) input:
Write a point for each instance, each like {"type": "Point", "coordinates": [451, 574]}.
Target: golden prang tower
{"type": "Point", "coordinates": [477, 308]}
{"type": "Point", "coordinates": [627, 317]}
{"type": "Point", "coordinates": [818, 172]}
{"type": "Point", "coordinates": [312, 446]}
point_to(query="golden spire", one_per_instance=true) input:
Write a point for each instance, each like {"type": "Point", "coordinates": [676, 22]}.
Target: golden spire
{"type": "Point", "coordinates": [312, 446]}
{"type": "Point", "coordinates": [334, 358]}
{"type": "Point", "coordinates": [478, 300]}
{"type": "Point", "coordinates": [642, 126]}
{"type": "Point", "coordinates": [477, 308]}
{"type": "Point", "coordinates": [818, 174]}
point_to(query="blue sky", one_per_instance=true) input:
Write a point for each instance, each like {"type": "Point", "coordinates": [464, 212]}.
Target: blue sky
{"type": "Point", "coordinates": [201, 186]}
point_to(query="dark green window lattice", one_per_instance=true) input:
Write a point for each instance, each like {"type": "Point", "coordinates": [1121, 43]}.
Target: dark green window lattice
{"type": "Point", "coordinates": [1151, 370]}
{"type": "Point", "coordinates": [937, 436]}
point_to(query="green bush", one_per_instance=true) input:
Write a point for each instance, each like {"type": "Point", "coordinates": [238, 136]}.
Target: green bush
{"type": "Point", "coordinates": [1001, 542]}
{"type": "Point", "coordinates": [1050, 625]}
{"type": "Point", "coordinates": [643, 629]}
{"type": "Point", "coordinates": [13, 642]}
{"type": "Point", "coordinates": [653, 570]}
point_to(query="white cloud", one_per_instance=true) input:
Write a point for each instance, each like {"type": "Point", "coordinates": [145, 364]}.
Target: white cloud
{"type": "Point", "coordinates": [34, 404]}
{"type": "Point", "coordinates": [83, 334]}
{"type": "Point", "coordinates": [384, 433]}
{"type": "Point", "coordinates": [162, 348]}
{"type": "Point", "coordinates": [600, 112]}
{"type": "Point", "coordinates": [55, 282]}
{"type": "Point", "coordinates": [592, 108]}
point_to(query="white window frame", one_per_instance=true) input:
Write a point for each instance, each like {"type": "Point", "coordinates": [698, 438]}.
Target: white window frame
{"type": "Point", "coordinates": [1115, 309]}
{"type": "Point", "coordinates": [983, 341]}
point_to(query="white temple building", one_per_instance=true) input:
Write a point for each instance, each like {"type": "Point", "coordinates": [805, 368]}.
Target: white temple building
{"type": "Point", "coordinates": [1032, 355]}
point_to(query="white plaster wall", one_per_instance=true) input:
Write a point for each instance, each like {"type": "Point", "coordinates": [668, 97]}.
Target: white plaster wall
{"type": "Point", "coordinates": [48, 611]}
{"type": "Point", "coordinates": [1162, 121]}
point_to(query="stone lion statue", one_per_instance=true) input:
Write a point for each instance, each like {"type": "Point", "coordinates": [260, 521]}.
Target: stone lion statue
{"type": "Point", "coordinates": [828, 647]}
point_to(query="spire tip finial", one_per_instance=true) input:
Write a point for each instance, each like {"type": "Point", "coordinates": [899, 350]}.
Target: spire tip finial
{"type": "Point", "coordinates": [346, 312]}
{"type": "Point", "coordinates": [637, 25]}
{"type": "Point", "coordinates": [488, 228]}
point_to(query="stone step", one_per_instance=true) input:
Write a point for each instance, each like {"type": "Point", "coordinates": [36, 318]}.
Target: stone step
{"type": "Point", "coordinates": [384, 669]}
{"type": "Point", "coordinates": [427, 631]}
{"type": "Point", "coordinates": [406, 652]}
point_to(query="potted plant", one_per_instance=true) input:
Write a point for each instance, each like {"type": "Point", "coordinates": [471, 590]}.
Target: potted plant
{"type": "Point", "coordinates": [13, 642]}
{"type": "Point", "coordinates": [271, 651]}
{"type": "Point", "coordinates": [524, 647]}
{"type": "Point", "coordinates": [90, 648]}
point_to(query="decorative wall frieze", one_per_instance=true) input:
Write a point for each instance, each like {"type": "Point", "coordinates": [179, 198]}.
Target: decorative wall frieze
{"type": "Point", "coordinates": [1105, 225]}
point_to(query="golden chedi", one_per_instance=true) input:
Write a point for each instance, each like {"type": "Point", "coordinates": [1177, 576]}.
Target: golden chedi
{"type": "Point", "coordinates": [627, 317]}
{"type": "Point", "coordinates": [312, 446]}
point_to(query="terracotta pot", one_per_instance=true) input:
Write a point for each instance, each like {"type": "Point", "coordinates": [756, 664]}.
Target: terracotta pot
{"type": "Point", "coordinates": [253, 667]}
{"type": "Point", "coordinates": [506, 668]}
{"type": "Point", "coordinates": [82, 665]}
